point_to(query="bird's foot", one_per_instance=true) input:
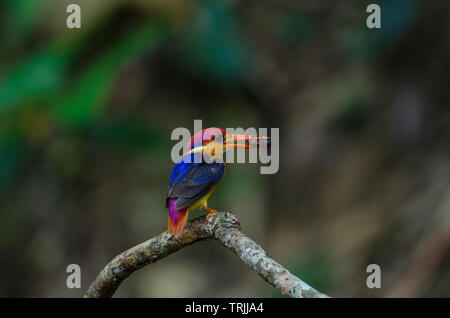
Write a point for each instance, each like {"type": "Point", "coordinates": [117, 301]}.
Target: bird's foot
{"type": "Point", "coordinates": [211, 212]}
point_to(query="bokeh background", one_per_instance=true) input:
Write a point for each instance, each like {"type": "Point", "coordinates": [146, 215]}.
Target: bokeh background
{"type": "Point", "coordinates": [86, 117]}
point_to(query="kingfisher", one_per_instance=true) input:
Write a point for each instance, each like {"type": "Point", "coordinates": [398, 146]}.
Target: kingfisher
{"type": "Point", "coordinates": [200, 170]}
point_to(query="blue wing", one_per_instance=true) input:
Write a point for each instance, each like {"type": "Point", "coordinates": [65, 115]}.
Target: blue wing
{"type": "Point", "coordinates": [190, 181]}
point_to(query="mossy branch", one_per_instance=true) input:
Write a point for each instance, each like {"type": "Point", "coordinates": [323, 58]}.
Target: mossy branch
{"type": "Point", "coordinates": [222, 226]}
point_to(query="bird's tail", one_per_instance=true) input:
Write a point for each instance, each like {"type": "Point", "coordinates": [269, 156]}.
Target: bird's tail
{"type": "Point", "coordinates": [177, 218]}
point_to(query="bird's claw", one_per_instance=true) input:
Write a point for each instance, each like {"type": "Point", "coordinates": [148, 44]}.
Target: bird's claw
{"type": "Point", "coordinates": [211, 212]}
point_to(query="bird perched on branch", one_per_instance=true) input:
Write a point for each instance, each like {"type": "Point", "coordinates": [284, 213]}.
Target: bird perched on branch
{"type": "Point", "coordinates": [200, 170]}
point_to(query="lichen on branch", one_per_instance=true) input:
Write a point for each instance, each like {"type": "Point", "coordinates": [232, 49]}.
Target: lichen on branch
{"type": "Point", "coordinates": [222, 226]}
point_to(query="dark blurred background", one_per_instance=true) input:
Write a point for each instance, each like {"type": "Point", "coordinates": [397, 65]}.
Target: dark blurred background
{"type": "Point", "coordinates": [86, 117]}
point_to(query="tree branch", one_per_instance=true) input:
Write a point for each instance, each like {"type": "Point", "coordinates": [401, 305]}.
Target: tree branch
{"type": "Point", "coordinates": [221, 226]}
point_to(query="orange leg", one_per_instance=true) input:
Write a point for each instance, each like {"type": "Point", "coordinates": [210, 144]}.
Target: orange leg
{"type": "Point", "coordinates": [211, 212]}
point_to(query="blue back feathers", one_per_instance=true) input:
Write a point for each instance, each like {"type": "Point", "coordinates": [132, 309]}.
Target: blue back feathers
{"type": "Point", "coordinates": [205, 172]}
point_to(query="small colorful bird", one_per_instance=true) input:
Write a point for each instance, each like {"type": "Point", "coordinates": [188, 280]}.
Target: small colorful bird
{"type": "Point", "coordinates": [200, 170]}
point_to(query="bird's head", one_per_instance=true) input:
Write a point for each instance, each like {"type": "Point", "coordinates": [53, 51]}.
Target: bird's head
{"type": "Point", "coordinates": [214, 141]}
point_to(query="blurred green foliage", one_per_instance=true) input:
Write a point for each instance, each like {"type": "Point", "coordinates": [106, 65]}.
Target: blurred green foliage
{"type": "Point", "coordinates": [39, 96]}
{"type": "Point", "coordinates": [86, 116]}
{"type": "Point", "coordinates": [214, 46]}
{"type": "Point", "coordinates": [85, 100]}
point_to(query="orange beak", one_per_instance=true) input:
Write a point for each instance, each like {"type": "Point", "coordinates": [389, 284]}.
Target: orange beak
{"type": "Point", "coordinates": [246, 142]}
